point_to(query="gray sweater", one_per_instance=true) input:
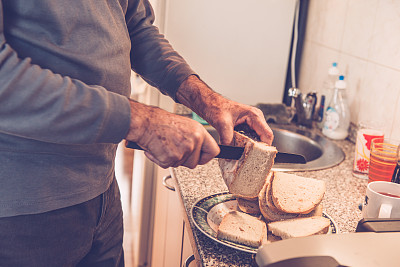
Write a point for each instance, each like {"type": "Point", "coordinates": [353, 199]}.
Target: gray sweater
{"type": "Point", "coordinates": [64, 82]}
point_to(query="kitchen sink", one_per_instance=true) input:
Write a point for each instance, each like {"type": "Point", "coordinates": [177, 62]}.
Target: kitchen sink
{"type": "Point", "coordinates": [320, 152]}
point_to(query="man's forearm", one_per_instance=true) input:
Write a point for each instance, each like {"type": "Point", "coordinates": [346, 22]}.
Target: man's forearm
{"type": "Point", "coordinates": [197, 95]}
{"type": "Point", "coordinates": [223, 114]}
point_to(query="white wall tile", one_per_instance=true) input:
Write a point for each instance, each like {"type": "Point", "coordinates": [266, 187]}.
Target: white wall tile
{"type": "Point", "coordinates": [359, 27]}
{"type": "Point", "coordinates": [363, 37]}
{"type": "Point", "coordinates": [385, 45]}
{"type": "Point", "coordinates": [316, 60]}
{"type": "Point", "coordinates": [325, 22]}
{"type": "Point", "coordinates": [379, 93]}
{"type": "Point", "coordinates": [395, 131]}
{"type": "Point", "coordinates": [354, 70]}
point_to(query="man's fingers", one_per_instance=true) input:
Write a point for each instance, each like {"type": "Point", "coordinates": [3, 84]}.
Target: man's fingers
{"type": "Point", "coordinates": [202, 153]}
{"type": "Point", "coordinates": [226, 136]}
{"type": "Point", "coordinates": [264, 132]}
{"type": "Point", "coordinates": [155, 160]}
{"type": "Point", "coordinates": [260, 126]}
{"type": "Point", "coordinates": [193, 159]}
{"type": "Point", "coordinates": [209, 150]}
{"type": "Point", "coordinates": [225, 130]}
{"type": "Point", "coordinates": [200, 150]}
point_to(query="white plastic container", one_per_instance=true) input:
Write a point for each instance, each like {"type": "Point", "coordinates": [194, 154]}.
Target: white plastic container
{"type": "Point", "coordinates": [328, 87]}
{"type": "Point", "coordinates": [337, 115]}
{"type": "Point", "coordinates": [329, 82]}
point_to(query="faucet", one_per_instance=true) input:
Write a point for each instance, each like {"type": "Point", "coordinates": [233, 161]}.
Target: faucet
{"type": "Point", "coordinates": [304, 107]}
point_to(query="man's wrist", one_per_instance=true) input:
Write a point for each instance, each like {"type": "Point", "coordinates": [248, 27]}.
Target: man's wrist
{"type": "Point", "coordinates": [138, 120]}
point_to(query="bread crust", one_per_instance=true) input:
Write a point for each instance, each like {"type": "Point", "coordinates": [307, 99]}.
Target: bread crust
{"type": "Point", "coordinates": [271, 215]}
{"type": "Point", "coordinates": [301, 195]}
{"type": "Point", "coordinates": [236, 172]}
{"type": "Point", "coordinates": [237, 227]}
{"type": "Point", "coordinates": [249, 206]}
{"type": "Point", "coordinates": [300, 227]}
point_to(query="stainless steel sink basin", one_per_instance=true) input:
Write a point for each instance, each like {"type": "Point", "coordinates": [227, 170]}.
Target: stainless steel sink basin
{"type": "Point", "coordinates": [319, 151]}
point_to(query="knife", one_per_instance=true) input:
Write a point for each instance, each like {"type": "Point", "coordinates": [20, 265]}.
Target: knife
{"type": "Point", "coordinates": [234, 152]}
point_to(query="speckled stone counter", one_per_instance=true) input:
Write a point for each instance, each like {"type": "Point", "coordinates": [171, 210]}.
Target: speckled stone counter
{"type": "Point", "coordinates": [343, 195]}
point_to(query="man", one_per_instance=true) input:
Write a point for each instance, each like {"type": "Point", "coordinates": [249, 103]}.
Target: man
{"type": "Point", "coordinates": [64, 87]}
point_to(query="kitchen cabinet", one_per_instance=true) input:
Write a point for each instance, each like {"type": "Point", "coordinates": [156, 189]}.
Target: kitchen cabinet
{"type": "Point", "coordinates": [170, 246]}
{"type": "Point", "coordinates": [187, 251]}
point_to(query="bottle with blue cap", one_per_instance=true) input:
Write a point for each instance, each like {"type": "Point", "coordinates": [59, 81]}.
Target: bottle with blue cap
{"type": "Point", "coordinates": [328, 87]}
{"type": "Point", "coordinates": [330, 80]}
{"type": "Point", "coordinates": [337, 115]}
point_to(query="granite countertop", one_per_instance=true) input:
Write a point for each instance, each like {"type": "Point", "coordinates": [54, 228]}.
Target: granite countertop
{"type": "Point", "coordinates": [343, 195]}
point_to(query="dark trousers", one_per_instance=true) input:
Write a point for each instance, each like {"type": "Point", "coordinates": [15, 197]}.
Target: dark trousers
{"type": "Point", "coordinates": [87, 234]}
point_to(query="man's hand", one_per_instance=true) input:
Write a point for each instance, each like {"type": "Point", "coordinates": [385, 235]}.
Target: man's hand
{"type": "Point", "coordinates": [227, 114]}
{"type": "Point", "coordinates": [168, 139]}
{"type": "Point", "coordinates": [223, 114]}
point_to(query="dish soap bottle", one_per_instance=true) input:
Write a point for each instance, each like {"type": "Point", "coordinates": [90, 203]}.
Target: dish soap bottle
{"type": "Point", "coordinates": [337, 115]}
{"type": "Point", "coordinates": [329, 82]}
{"type": "Point", "coordinates": [328, 86]}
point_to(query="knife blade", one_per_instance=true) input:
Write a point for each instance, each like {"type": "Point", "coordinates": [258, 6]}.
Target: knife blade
{"type": "Point", "coordinates": [234, 152]}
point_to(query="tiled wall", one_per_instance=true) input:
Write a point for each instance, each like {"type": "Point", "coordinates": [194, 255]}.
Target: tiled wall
{"type": "Point", "coordinates": [363, 36]}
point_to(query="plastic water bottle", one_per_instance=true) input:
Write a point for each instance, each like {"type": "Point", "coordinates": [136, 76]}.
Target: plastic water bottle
{"type": "Point", "coordinates": [337, 115]}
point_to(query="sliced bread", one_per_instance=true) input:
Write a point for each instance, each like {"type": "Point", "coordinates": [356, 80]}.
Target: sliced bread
{"type": "Point", "coordinates": [249, 206]}
{"type": "Point", "coordinates": [318, 211]}
{"type": "Point", "coordinates": [245, 177]}
{"type": "Point", "coordinates": [299, 227]}
{"type": "Point", "coordinates": [296, 194]}
{"type": "Point", "coordinates": [242, 228]}
{"type": "Point", "coordinates": [268, 210]}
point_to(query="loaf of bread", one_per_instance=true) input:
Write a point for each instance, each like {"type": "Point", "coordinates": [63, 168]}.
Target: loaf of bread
{"type": "Point", "coordinates": [242, 228]}
{"type": "Point", "coordinates": [245, 177]}
{"type": "Point", "coordinates": [299, 227]}
{"type": "Point", "coordinates": [296, 194]}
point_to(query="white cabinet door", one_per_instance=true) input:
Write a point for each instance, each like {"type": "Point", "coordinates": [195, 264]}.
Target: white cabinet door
{"type": "Point", "coordinates": [168, 237]}
{"type": "Point", "coordinates": [186, 247]}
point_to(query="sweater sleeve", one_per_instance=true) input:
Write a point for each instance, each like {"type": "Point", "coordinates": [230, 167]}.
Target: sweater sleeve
{"type": "Point", "coordinates": [41, 105]}
{"type": "Point", "coordinates": [152, 56]}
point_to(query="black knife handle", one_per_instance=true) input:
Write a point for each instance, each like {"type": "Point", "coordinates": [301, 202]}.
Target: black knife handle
{"type": "Point", "coordinates": [132, 145]}
{"type": "Point", "coordinates": [226, 151]}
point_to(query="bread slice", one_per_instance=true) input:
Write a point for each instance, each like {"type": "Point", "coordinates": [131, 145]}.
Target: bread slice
{"type": "Point", "coordinates": [299, 227]}
{"type": "Point", "coordinates": [271, 213]}
{"type": "Point", "coordinates": [318, 211]}
{"type": "Point", "coordinates": [245, 177]}
{"type": "Point", "coordinates": [242, 228]}
{"type": "Point", "coordinates": [249, 206]}
{"type": "Point", "coordinates": [268, 210]}
{"type": "Point", "coordinates": [296, 194]}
